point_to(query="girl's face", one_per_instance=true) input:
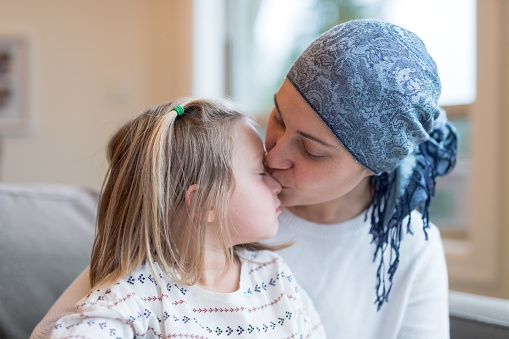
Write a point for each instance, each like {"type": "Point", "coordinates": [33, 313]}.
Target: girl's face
{"type": "Point", "coordinates": [254, 206]}
{"type": "Point", "coordinates": [305, 157]}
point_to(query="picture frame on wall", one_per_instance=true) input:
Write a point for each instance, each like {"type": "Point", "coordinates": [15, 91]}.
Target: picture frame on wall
{"type": "Point", "coordinates": [15, 117]}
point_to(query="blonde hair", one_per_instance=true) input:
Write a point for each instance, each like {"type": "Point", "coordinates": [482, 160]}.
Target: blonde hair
{"type": "Point", "coordinates": [142, 213]}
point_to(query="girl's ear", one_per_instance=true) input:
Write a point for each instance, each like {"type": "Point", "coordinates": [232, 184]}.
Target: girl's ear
{"type": "Point", "coordinates": [190, 193]}
{"type": "Point", "coordinates": [211, 216]}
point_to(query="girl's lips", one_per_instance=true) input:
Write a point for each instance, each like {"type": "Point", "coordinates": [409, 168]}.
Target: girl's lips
{"type": "Point", "coordinates": [278, 209]}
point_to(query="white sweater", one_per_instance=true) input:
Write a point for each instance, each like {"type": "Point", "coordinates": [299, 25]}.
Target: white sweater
{"type": "Point", "coordinates": [268, 304]}
{"type": "Point", "coordinates": [334, 263]}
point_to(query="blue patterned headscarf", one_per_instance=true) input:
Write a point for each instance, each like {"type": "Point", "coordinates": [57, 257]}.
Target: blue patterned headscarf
{"type": "Point", "coordinates": [376, 87]}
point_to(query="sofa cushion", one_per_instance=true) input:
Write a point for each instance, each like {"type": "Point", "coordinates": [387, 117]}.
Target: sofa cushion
{"type": "Point", "coordinates": [46, 237]}
{"type": "Point", "coordinates": [476, 316]}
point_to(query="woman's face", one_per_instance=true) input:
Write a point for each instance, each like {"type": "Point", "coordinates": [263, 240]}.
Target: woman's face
{"type": "Point", "coordinates": [304, 155]}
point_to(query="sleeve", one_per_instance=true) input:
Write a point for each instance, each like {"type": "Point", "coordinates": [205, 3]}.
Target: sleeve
{"type": "Point", "coordinates": [427, 313]}
{"type": "Point", "coordinates": [94, 316]}
{"type": "Point", "coordinates": [311, 323]}
{"type": "Point", "coordinates": [99, 323]}
{"type": "Point", "coordinates": [64, 305]}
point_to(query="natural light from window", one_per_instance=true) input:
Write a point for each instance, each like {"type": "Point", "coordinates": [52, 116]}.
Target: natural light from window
{"type": "Point", "coordinates": [283, 27]}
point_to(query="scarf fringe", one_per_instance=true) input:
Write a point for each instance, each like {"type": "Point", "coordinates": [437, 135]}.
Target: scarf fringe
{"type": "Point", "coordinates": [422, 183]}
{"type": "Point", "coordinates": [434, 158]}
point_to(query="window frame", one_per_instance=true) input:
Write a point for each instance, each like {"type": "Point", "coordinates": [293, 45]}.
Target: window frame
{"type": "Point", "coordinates": [475, 262]}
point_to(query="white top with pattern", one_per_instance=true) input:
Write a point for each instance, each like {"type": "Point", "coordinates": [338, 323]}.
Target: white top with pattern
{"type": "Point", "coordinates": [268, 304]}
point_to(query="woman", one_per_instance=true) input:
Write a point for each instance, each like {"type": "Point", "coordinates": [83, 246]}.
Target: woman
{"type": "Point", "coordinates": [356, 140]}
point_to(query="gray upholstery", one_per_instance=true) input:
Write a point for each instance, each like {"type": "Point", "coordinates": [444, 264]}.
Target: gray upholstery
{"type": "Point", "coordinates": [46, 234]}
{"type": "Point", "coordinates": [475, 316]}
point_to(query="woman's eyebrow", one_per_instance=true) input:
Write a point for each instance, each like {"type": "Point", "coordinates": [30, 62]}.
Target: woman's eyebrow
{"type": "Point", "coordinates": [276, 105]}
{"type": "Point", "coordinates": [304, 134]}
{"type": "Point", "coordinates": [313, 138]}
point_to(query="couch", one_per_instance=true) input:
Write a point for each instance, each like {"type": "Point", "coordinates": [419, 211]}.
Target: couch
{"type": "Point", "coordinates": [475, 316]}
{"type": "Point", "coordinates": [46, 234]}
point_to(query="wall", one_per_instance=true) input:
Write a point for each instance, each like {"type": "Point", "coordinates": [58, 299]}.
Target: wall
{"type": "Point", "coordinates": [504, 239]}
{"type": "Point", "coordinates": [93, 64]}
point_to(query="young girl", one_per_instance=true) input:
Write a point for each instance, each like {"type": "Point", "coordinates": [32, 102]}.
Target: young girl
{"type": "Point", "coordinates": [184, 203]}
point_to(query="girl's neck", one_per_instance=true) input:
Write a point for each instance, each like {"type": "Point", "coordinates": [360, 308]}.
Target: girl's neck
{"type": "Point", "coordinates": [214, 278]}
{"type": "Point", "coordinates": [341, 209]}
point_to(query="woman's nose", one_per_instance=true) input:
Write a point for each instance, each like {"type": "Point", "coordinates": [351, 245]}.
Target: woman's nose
{"type": "Point", "coordinates": [276, 144]}
{"type": "Point", "coordinates": [277, 158]}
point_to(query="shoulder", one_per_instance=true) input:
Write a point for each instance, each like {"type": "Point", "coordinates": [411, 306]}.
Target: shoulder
{"type": "Point", "coordinates": [269, 267]}
{"type": "Point", "coordinates": [139, 282]}
{"type": "Point", "coordinates": [266, 257]}
{"type": "Point", "coordinates": [422, 256]}
{"type": "Point", "coordinates": [128, 305]}
{"type": "Point", "coordinates": [263, 263]}
{"type": "Point", "coordinates": [281, 287]}
{"type": "Point", "coordinates": [417, 238]}
{"type": "Point", "coordinates": [126, 294]}
{"type": "Point", "coordinates": [64, 305]}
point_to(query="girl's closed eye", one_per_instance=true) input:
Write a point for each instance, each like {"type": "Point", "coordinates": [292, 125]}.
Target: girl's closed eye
{"type": "Point", "coordinates": [262, 170]}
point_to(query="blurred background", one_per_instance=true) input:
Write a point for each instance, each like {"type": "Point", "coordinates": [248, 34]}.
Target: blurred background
{"type": "Point", "coordinates": [72, 71]}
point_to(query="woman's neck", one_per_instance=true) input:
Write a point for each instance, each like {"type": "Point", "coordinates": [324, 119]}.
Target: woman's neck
{"type": "Point", "coordinates": [341, 209]}
{"type": "Point", "coordinates": [214, 278]}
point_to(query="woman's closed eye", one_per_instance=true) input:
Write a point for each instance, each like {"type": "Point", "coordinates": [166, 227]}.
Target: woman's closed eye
{"type": "Point", "coordinates": [278, 119]}
{"type": "Point", "coordinates": [310, 153]}
{"type": "Point", "coordinates": [277, 114]}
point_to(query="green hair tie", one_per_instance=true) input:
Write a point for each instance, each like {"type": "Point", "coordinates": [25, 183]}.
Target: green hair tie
{"type": "Point", "coordinates": [179, 109]}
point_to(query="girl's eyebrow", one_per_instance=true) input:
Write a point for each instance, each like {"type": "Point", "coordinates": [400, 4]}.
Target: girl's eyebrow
{"type": "Point", "coordinates": [304, 134]}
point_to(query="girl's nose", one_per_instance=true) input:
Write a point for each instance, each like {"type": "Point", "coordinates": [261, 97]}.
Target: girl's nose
{"type": "Point", "coordinates": [274, 185]}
